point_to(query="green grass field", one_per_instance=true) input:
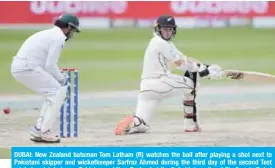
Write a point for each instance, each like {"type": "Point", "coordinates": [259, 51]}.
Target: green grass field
{"type": "Point", "coordinates": [112, 59]}
{"type": "Point", "coordinates": [5, 153]}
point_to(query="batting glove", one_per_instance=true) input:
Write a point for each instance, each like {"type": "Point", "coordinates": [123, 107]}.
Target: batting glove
{"type": "Point", "coordinates": [215, 72]}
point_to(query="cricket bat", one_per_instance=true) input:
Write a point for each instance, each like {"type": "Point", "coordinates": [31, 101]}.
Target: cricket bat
{"type": "Point", "coordinates": [249, 76]}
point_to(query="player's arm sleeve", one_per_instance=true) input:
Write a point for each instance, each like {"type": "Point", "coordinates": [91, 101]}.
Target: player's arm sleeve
{"type": "Point", "coordinates": [183, 62]}
{"type": "Point", "coordinates": [170, 52]}
{"type": "Point", "coordinates": [180, 54]}
{"type": "Point", "coordinates": [186, 58]}
{"type": "Point", "coordinates": [52, 60]}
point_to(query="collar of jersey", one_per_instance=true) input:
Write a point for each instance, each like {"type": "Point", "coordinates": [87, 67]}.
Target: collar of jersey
{"type": "Point", "coordinates": [58, 29]}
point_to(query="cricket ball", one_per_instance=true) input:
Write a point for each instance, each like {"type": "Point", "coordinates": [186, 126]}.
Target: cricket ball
{"type": "Point", "coordinates": [6, 110]}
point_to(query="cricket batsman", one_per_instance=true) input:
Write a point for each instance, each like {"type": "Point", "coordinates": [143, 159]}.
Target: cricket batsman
{"type": "Point", "coordinates": [35, 67]}
{"type": "Point", "coordinates": [158, 83]}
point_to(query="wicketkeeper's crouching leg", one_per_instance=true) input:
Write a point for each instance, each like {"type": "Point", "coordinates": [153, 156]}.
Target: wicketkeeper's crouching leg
{"type": "Point", "coordinates": [44, 84]}
{"type": "Point", "coordinates": [42, 132]}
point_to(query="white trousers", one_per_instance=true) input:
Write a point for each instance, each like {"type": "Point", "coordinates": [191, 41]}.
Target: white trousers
{"type": "Point", "coordinates": [41, 82]}
{"type": "Point", "coordinates": [154, 90]}
{"type": "Point", "coordinates": [35, 79]}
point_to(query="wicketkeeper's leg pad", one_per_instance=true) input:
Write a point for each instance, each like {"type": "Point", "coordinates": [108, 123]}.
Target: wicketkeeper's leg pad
{"type": "Point", "coordinates": [53, 108]}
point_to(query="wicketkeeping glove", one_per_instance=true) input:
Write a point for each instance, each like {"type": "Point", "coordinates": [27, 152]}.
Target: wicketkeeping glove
{"type": "Point", "coordinates": [64, 81]}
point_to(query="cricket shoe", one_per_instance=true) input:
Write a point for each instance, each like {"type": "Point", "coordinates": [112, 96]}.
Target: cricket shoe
{"type": "Point", "coordinates": [46, 137]}
{"type": "Point", "coordinates": [131, 125]}
{"type": "Point", "coordinates": [191, 126]}
{"type": "Point", "coordinates": [35, 132]}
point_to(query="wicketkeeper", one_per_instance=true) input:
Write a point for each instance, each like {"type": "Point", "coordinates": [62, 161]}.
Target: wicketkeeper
{"type": "Point", "coordinates": [158, 83]}
{"type": "Point", "coordinates": [35, 67]}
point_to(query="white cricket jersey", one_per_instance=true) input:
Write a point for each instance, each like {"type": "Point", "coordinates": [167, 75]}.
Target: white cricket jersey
{"type": "Point", "coordinates": [158, 55]}
{"type": "Point", "coordinates": [42, 49]}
